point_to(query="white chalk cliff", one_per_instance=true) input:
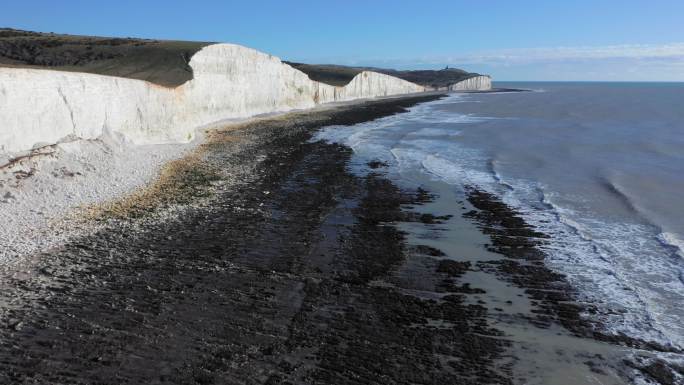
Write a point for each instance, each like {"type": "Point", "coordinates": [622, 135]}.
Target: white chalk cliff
{"type": "Point", "coordinates": [477, 83]}
{"type": "Point", "coordinates": [39, 107]}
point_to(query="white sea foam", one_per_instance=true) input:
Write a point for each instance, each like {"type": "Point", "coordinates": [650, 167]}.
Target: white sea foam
{"type": "Point", "coordinates": [618, 266]}
{"type": "Point", "coordinates": [428, 131]}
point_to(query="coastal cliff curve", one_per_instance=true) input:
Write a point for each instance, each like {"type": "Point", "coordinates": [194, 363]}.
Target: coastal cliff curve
{"type": "Point", "coordinates": [41, 107]}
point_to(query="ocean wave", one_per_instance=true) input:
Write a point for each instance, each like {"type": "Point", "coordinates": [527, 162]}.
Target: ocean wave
{"type": "Point", "coordinates": [673, 242]}
{"type": "Point", "coordinates": [614, 264]}
{"type": "Point", "coordinates": [451, 172]}
{"type": "Point", "coordinates": [670, 241]}
{"type": "Point", "coordinates": [617, 191]}
{"type": "Point", "coordinates": [491, 166]}
{"type": "Point", "coordinates": [431, 131]}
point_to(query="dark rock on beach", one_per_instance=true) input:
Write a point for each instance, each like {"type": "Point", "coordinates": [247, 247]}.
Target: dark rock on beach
{"type": "Point", "coordinates": [275, 269]}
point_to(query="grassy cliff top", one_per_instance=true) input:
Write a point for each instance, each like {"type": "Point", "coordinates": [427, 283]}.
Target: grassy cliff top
{"type": "Point", "coordinates": [341, 75]}
{"type": "Point", "coordinates": [162, 62]}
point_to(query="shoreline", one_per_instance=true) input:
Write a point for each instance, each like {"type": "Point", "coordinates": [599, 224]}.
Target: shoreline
{"type": "Point", "coordinates": [140, 276]}
{"type": "Point", "coordinates": [494, 90]}
{"type": "Point", "coordinates": [45, 193]}
{"type": "Point", "coordinates": [555, 300]}
{"type": "Point", "coordinates": [267, 261]}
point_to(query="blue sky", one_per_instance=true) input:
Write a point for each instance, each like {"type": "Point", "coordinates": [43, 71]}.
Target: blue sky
{"type": "Point", "coordinates": [512, 40]}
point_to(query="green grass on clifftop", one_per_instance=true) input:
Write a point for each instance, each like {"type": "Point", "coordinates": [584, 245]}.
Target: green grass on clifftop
{"type": "Point", "coordinates": [157, 61]}
{"type": "Point", "coordinates": [163, 62]}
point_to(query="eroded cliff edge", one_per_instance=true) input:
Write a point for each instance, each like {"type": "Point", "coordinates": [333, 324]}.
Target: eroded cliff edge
{"type": "Point", "coordinates": [39, 107]}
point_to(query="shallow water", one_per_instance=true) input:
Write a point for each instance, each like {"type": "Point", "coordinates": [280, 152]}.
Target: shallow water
{"type": "Point", "coordinates": [599, 166]}
{"type": "Point", "coordinates": [543, 356]}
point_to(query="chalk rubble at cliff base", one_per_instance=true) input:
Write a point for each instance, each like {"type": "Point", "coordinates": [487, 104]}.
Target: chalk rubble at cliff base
{"type": "Point", "coordinates": [38, 191]}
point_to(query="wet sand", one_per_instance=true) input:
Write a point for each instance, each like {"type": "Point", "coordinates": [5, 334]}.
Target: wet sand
{"type": "Point", "coordinates": [541, 350]}
{"type": "Point", "coordinates": [268, 262]}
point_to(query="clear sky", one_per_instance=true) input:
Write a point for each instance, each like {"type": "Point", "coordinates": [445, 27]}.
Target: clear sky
{"type": "Point", "coordinates": [510, 39]}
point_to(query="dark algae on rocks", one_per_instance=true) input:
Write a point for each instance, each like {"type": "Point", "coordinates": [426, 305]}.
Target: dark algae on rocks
{"type": "Point", "coordinates": [275, 270]}
{"type": "Point", "coordinates": [523, 265]}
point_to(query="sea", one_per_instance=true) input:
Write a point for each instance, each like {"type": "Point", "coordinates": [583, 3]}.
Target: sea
{"type": "Point", "coordinates": [597, 166]}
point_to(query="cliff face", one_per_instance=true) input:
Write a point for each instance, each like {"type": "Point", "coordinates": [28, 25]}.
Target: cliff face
{"type": "Point", "coordinates": [477, 83]}
{"type": "Point", "coordinates": [43, 107]}
{"type": "Point", "coordinates": [230, 81]}
{"type": "Point", "coordinates": [372, 84]}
